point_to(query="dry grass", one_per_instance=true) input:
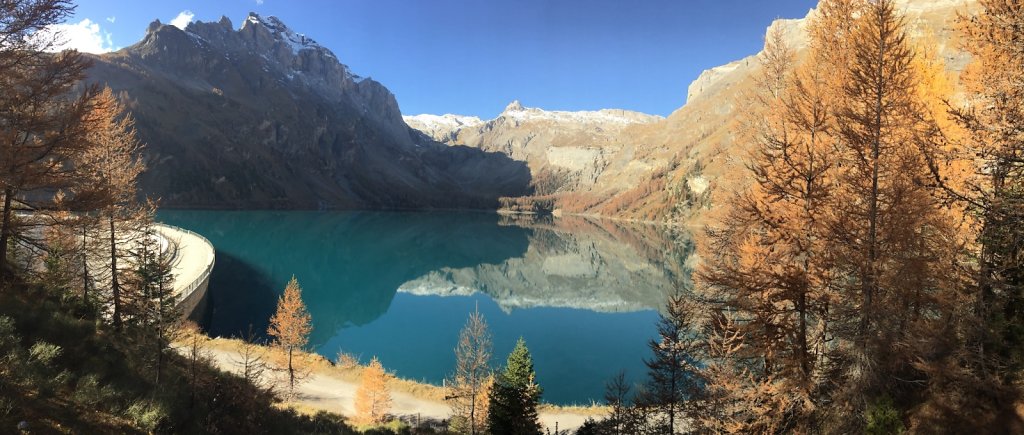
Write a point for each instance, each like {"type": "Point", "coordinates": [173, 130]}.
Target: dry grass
{"type": "Point", "coordinates": [318, 365]}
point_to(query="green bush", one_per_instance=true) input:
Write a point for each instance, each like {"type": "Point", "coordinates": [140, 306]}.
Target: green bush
{"type": "Point", "coordinates": [884, 418]}
{"type": "Point", "coordinates": [44, 353]}
{"type": "Point", "coordinates": [89, 392]}
{"type": "Point", "coordinates": [147, 415]}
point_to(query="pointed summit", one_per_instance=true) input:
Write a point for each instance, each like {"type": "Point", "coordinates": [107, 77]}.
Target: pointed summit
{"type": "Point", "coordinates": [252, 18]}
{"type": "Point", "coordinates": [514, 106]}
{"type": "Point", "coordinates": [156, 24]}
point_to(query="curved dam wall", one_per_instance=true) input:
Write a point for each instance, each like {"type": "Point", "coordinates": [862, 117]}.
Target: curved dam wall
{"type": "Point", "coordinates": [193, 257]}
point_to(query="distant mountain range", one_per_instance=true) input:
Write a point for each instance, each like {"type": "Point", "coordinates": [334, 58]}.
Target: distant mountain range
{"type": "Point", "coordinates": [635, 166]}
{"type": "Point", "coordinates": [263, 117]}
{"type": "Point", "coordinates": [566, 151]}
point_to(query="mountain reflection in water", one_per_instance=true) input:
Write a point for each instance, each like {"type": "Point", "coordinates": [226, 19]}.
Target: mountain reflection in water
{"type": "Point", "coordinates": [399, 285]}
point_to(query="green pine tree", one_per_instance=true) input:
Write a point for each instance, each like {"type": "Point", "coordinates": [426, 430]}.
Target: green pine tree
{"type": "Point", "coordinates": [514, 398]}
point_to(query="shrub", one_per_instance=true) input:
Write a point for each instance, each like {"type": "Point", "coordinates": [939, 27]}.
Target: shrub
{"type": "Point", "coordinates": [44, 353]}
{"type": "Point", "coordinates": [147, 415]}
{"type": "Point", "coordinates": [884, 418]}
{"type": "Point", "coordinates": [89, 392]}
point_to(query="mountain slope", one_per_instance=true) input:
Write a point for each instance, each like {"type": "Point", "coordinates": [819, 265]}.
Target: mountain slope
{"type": "Point", "coordinates": [264, 117]}
{"type": "Point", "coordinates": [697, 143]}
{"type": "Point", "coordinates": [667, 169]}
{"type": "Point", "coordinates": [566, 151]}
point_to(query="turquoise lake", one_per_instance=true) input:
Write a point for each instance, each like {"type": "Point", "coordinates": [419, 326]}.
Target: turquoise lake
{"type": "Point", "coordinates": [584, 293]}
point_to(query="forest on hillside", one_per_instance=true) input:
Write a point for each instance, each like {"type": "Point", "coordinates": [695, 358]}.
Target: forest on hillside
{"type": "Point", "coordinates": [869, 277]}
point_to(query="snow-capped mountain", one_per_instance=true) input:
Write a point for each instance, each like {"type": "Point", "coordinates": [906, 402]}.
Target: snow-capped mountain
{"type": "Point", "coordinates": [263, 116]}
{"type": "Point", "coordinates": [566, 151]}
{"type": "Point", "coordinates": [445, 128]}
{"type": "Point", "coordinates": [442, 127]}
{"type": "Point", "coordinates": [634, 166]}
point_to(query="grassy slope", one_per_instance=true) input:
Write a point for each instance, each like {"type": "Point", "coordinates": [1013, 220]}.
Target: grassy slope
{"type": "Point", "coordinates": [99, 381]}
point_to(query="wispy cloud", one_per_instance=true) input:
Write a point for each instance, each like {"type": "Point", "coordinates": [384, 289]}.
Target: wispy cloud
{"type": "Point", "coordinates": [111, 19]}
{"type": "Point", "coordinates": [182, 20]}
{"type": "Point", "coordinates": [259, 2]}
{"type": "Point", "coordinates": [85, 36]}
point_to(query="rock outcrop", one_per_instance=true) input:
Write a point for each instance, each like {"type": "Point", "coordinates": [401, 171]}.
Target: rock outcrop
{"type": "Point", "coordinates": [264, 117]}
{"type": "Point", "coordinates": [660, 169]}
{"type": "Point", "coordinates": [566, 151]}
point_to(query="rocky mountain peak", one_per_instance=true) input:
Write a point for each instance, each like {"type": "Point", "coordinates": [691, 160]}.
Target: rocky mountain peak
{"type": "Point", "coordinates": [271, 30]}
{"type": "Point", "coordinates": [514, 106]}
{"type": "Point", "coordinates": [261, 116]}
{"type": "Point", "coordinates": [153, 26]}
{"type": "Point", "coordinates": [225, 22]}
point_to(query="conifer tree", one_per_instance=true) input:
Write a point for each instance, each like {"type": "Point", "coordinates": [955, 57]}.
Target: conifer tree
{"type": "Point", "coordinates": [839, 252]}
{"type": "Point", "coordinates": [515, 395]}
{"type": "Point", "coordinates": [673, 376]}
{"type": "Point", "coordinates": [622, 419]}
{"type": "Point", "coordinates": [251, 360]}
{"type": "Point", "coordinates": [768, 263]}
{"type": "Point", "coordinates": [978, 167]}
{"type": "Point", "coordinates": [157, 307]}
{"type": "Point", "coordinates": [41, 123]}
{"type": "Point", "coordinates": [887, 227]}
{"type": "Point", "coordinates": [993, 120]}
{"type": "Point", "coordinates": [108, 170]}
{"type": "Point", "coordinates": [472, 374]}
{"type": "Point", "coordinates": [290, 326]}
{"type": "Point", "coordinates": [373, 399]}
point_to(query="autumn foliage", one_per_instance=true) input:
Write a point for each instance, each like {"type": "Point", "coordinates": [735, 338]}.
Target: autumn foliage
{"type": "Point", "coordinates": [470, 385]}
{"type": "Point", "coordinates": [290, 326]}
{"type": "Point", "coordinates": [840, 286]}
{"type": "Point", "coordinates": [373, 399]}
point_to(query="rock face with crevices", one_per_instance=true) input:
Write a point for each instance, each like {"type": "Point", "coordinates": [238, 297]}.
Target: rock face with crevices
{"type": "Point", "coordinates": [566, 151]}
{"type": "Point", "coordinates": [264, 117]}
{"type": "Point", "coordinates": [670, 169]}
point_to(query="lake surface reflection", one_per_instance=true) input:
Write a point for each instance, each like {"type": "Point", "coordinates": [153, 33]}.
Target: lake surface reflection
{"type": "Point", "coordinates": [399, 286]}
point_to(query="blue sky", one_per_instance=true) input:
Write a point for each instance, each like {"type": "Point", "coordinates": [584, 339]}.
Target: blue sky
{"type": "Point", "coordinates": [475, 56]}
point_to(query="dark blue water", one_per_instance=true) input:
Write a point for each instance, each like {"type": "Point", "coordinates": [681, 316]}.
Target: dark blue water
{"type": "Point", "coordinates": [399, 286]}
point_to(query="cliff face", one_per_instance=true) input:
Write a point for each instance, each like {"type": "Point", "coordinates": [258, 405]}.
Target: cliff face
{"type": "Point", "coordinates": [652, 168]}
{"type": "Point", "coordinates": [566, 151]}
{"type": "Point", "coordinates": [264, 117]}
{"type": "Point", "coordinates": [694, 154]}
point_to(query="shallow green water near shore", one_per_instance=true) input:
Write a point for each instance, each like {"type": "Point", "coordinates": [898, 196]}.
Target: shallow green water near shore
{"type": "Point", "coordinates": [399, 286]}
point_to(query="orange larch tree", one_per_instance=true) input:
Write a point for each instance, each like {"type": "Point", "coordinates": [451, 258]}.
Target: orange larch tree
{"type": "Point", "coordinates": [108, 170]}
{"type": "Point", "coordinates": [766, 263]}
{"type": "Point", "coordinates": [472, 375]}
{"type": "Point", "coordinates": [42, 119]}
{"type": "Point", "coordinates": [290, 326]}
{"type": "Point", "coordinates": [373, 399]}
{"type": "Point", "coordinates": [893, 244]}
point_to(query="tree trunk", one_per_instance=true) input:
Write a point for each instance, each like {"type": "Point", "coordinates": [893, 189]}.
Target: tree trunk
{"type": "Point", "coordinates": [472, 411]}
{"type": "Point", "coordinates": [291, 373]}
{"type": "Point", "coordinates": [675, 396]}
{"type": "Point", "coordinates": [805, 365]}
{"type": "Point", "coordinates": [115, 287]}
{"type": "Point", "coordinates": [870, 281]}
{"type": "Point", "coordinates": [85, 264]}
{"type": "Point", "coordinates": [5, 232]}
{"type": "Point", "coordinates": [160, 330]}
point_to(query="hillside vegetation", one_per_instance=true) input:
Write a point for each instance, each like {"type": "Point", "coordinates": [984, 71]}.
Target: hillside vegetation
{"type": "Point", "coordinates": [64, 370]}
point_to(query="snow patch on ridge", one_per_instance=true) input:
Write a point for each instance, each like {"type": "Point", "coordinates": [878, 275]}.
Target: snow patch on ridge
{"type": "Point", "coordinates": [446, 120]}
{"type": "Point", "coordinates": [516, 111]}
{"type": "Point", "coordinates": [296, 41]}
